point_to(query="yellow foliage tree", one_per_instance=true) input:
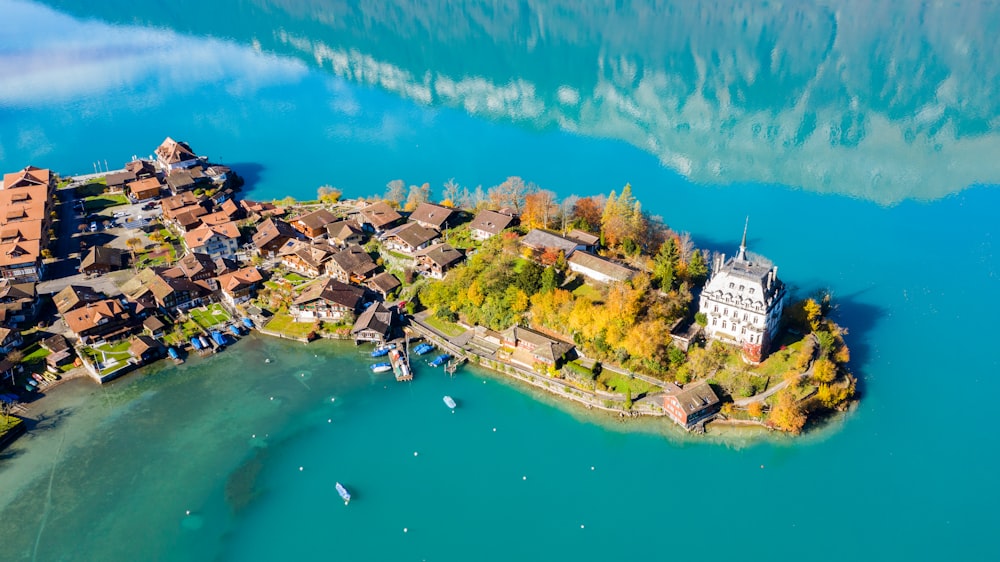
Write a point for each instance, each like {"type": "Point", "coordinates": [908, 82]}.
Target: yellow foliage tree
{"type": "Point", "coordinates": [824, 371]}
{"type": "Point", "coordinates": [755, 409]}
{"type": "Point", "coordinates": [786, 415]}
{"type": "Point", "coordinates": [813, 313]}
{"type": "Point", "coordinates": [646, 339]}
{"type": "Point", "coordinates": [475, 294]}
{"type": "Point", "coordinates": [448, 203]}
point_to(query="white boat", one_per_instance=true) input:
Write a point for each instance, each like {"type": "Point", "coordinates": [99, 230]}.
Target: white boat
{"type": "Point", "coordinates": [450, 402]}
{"type": "Point", "coordinates": [344, 494]}
{"type": "Point", "coordinates": [381, 367]}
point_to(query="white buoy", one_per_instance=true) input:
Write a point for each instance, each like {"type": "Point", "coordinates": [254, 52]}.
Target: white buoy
{"type": "Point", "coordinates": [494, 430]}
{"type": "Point", "coordinates": [329, 420]}
{"type": "Point", "coordinates": [333, 400]}
{"type": "Point", "coordinates": [591, 468]}
{"type": "Point", "coordinates": [300, 469]}
{"type": "Point", "coordinates": [254, 436]}
{"type": "Point", "coordinates": [272, 398]}
{"type": "Point", "coordinates": [581, 526]}
{"type": "Point", "coordinates": [188, 512]}
{"type": "Point", "coordinates": [524, 478]}
{"type": "Point", "coordinates": [415, 453]}
{"type": "Point", "coordinates": [405, 529]}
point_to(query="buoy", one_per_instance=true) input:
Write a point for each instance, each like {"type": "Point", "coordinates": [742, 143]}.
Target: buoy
{"type": "Point", "coordinates": [591, 468]}
{"type": "Point", "coordinates": [405, 529]}
{"type": "Point", "coordinates": [415, 453]}
{"type": "Point", "coordinates": [524, 478]}
{"type": "Point", "coordinates": [333, 400]}
{"type": "Point", "coordinates": [188, 512]}
{"type": "Point", "coordinates": [581, 526]}
{"type": "Point", "coordinates": [494, 430]}
{"type": "Point", "coordinates": [254, 436]}
{"type": "Point", "coordinates": [268, 360]}
{"type": "Point", "coordinates": [300, 469]}
{"type": "Point", "coordinates": [272, 398]}
{"type": "Point", "coordinates": [329, 420]}
{"type": "Point", "coordinates": [762, 466]}
{"type": "Point", "coordinates": [302, 375]}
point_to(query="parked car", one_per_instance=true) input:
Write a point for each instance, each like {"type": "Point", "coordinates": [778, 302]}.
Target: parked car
{"type": "Point", "coordinates": [93, 227]}
{"type": "Point", "coordinates": [120, 214]}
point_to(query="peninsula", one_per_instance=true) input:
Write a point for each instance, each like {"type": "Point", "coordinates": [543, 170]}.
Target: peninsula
{"type": "Point", "coordinates": [590, 298]}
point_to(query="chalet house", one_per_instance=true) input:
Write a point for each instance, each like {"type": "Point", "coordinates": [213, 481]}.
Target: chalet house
{"type": "Point", "coordinates": [374, 324]}
{"type": "Point", "coordinates": [102, 259]}
{"type": "Point", "coordinates": [144, 189]}
{"type": "Point", "coordinates": [598, 268]}
{"type": "Point", "coordinates": [10, 339]}
{"type": "Point", "coordinates": [30, 176]}
{"type": "Point", "coordinates": [542, 348]}
{"type": "Point", "coordinates": [327, 300]}
{"type": "Point", "coordinates": [231, 209]}
{"type": "Point", "coordinates": [183, 210]}
{"type": "Point", "coordinates": [410, 237]}
{"type": "Point", "coordinates": [222, 240]}
{"type": "Point", "coordinates": [432, 216]}
{"type": "Point", "coordinates": [257, 210]}
{"type": "Point", "coordinates": [378, 217]}
{"type": "Point", "coordinates": [239, 286]}
{"type": "Point", "coordinates": [180, 181]}
{"type": "Point", "coordinates": [743, 300]}
{"type": "Point", "coordinates": [117, 180]}
{"type": "Point", "coordinates": [313, 225]}
{"type": "Point", "coordinates": [154, 327]}
{"type": "Point", "coordinates": [384, 284]}
{"type": "Point", "coordinates": [542, 240]}
{"type": "Point", "coordinates": [215, 219]}
{"type": "Point", "coordinates": [145, 349]}
{"type": "Point", "coordinates": [195, 266]}
{"type": "Point", "coordinates": [343, 233]}
{"type": "Point", "coordinates": [172, 155]}
{"type": "Point", "coordinates": [271, 236]}
{"type": "Point", "coordinates": [351, 264]}
{"type": "Point", "coordinates": [102, 320]}
{"type": "Point", "coordinates": [488, 224]}
{"type": "Point", "coordinates": [189, 220]}
{"type": "Point", "coordinates": [21, 261]}
{"type": "Point", "coordinates": [307, 259]}
{"type": "Point", "coordinates": [691, 405]}
{"type": "Point", "coordinates": [75, 296]}
{"type": "Point", "coordinates": [435, 261]}
{"type": "Point", "coordinates": [589, 241]}
{"type": "Point", "coordinates": [18, 303]}
{"type": "Point", "coordinates": [151, 288]}
{"type": "Point", "coordinates": [141, 169]}
{"type": "Point", "coordinates": [59, 349]}
{"type": "Point", "coordinates": [26, 203]}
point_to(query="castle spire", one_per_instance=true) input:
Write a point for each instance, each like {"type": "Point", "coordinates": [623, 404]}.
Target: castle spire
{"type": "Point", "coordinates": [742, 255]}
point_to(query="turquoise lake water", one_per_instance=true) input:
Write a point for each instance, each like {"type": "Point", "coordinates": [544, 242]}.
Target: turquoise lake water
{"type": "Point", "coordinates": [861, 142]}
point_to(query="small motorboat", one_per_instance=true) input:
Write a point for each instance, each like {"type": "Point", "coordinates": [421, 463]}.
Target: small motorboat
{"type": "Point", "coordinates": [248, 323]}
{"type": "Point", "coordinates": [383, 350]}
{"type": "Point", "coordinates": [450, 402]}
{"type": "Point", "coordinates": [235, 331]}
{"type": "Point", "coordinates": [204, 342]}
{"type": "Point", "coordinates": [344, 494]}
{"type": "Point", "coordinates": [381, 367]}
{"type": "Point", "coordinates": [440, 360]}
{"type": "Point", "coordinates": [423, 348]}
{"type": "Point", "coordinates": [218, 338]}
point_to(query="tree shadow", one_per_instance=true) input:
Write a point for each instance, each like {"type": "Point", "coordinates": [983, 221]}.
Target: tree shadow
{"type": "Point", "coordinates": [860, 319]}
{"type": "Point", "coordinates": [249, 172]}
{"type": "Point", "coordinates": [49, 421]}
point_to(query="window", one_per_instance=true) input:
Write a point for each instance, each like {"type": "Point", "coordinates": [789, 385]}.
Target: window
{"type": "Point", "coordinates": [731, 285]}
{"type": "Point", "coordinates": [751, 290]}
{"type": "Point", "coordinates": [723, 324]}
{"type": "Point", "coordinates": [744, 329]}
{"type": "Point", "coordinates": [715, 321]}
{"type": "Point", "coordinates": [742, 287]}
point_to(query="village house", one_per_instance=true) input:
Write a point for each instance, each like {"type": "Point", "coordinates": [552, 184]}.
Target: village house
{"type": "Point", "coordinates": [328, 299]}
{"type": "Point", "coordinates": [222, 240]}
{"type": "Point", "coordinates": [374, 324]}
{"type": "Point", "coordinates": [435, 261]}
{"type": "Point", "coordinates": [10, 339]}
{"type": "Point", "coordinates": [145, 349]}
{"type": "Point", "coordinates": [180, 181]}
{"type": "Point", "coordinates": [172, 155]}
{"type": "Point", "coordinates": [154, 327]}
{"type": "Point", "coordinates": [60, 352]}
{"type": "Point", "coordinates": [30, 176]}
{"type": "Point", "coordinates": [144, 189]}
{"type": "Point", "coordinates": [541, 348]}
{"type": "Point", "coordinates": [26, 205]}
{"type": "Point", "coordinates": [75, 296]}
{"type": "Point", "coordinates": [742, 301]}
{"type": "Point", "coordinates": [352, 264]}
{"type": "Point", "coordinates": [150, 289]}
{"type": "Point", "coordinates": [305, 258]}
{"type": "Point", "coordinates": [598, 268]}
{"type": "Point", "coordinates": [231, 210]}
{"type": "Point", "coordinates": [313, 225]}
{"type": "Point", "coordinates": [195, 266]}
{"type": "Point", "coordinates": [589, 241]}
{"type": "Point", "coordinates": [240, 286]}
{"type": "Point", "coordinates": [542, 240]}
{"type": "Point", "coordinates": [695, 403]}
{"type": "Point", "coordinates": [18, 303]}
{"type": "Point", "coordinates": [271, 236]}
{"type": "Point", "coordinates": [409, 238]}
{"type": "Point", "coordinates": [215, 219]}
{"type": "Point", "coordinates": [102, 320]}
{"type": "Point", "coordinates": [378, 217]}
{"type": "Point", "coordinates": [488, 224]}
{"type": "Point", "coordinates": [343, 233]}
{"type": "Point", "coordinates": [432, 216]}
{"type": "Point", "coordinates": [118, 180]}
{"type": "Point", "coordinates": [141, 169]}
{"type": "Point", "coordinates": [384, 284]}
{"type": "Point", "coordinates": [258, 210]}
{"type": "Point", "coordinates": [103, 259]}
{"type": "Point", "coordinates": [183, 210]}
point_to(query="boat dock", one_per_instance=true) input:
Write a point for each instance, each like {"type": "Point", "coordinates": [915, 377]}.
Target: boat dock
{"type": "Point", "coordinates": [400, 365]}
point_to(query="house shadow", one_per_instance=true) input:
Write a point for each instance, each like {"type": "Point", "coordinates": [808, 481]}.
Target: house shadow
{"type": "Point", "coordinates": [249, 172]}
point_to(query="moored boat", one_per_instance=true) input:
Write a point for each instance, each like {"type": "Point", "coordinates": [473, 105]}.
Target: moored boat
{"type": "Point", "coordinates": [450, 402]}
{"type": "Point", "coordinates": [381, 367]}
{"type": "Point", "coordinates": [423, 348]}
{"type": "Point", "coordinates": [440, 360]}
{"type": "Point", "coordinates": [383, 350]}
{"type": "Point", "coordinates": [344, 494]}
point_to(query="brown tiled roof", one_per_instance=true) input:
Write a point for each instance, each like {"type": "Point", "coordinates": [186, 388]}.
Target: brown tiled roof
{"type": "Point", "coordinates": [153, 323]}
{"type": "Point", "coordinates": [180, 180]}
{"type": "Point", "coordinates": [217, 217]}
{"type": "Point", "coordinates": [342, 230]}
{"type": "Point", "coordinates": [142, 344]}
{"type": "Point", "coordinates": [10, 292]}
{"type": "Point", "coordinates": [541, 239]}
{"type": "Point", "coordinates": [376, 317]}
{"type": "Point", "coordinates": [585, 238]}
{"type": "Point", "coordinates": [442, 255]}
{"type": "Point", "coordinates": [243, 278]}
{"type": "Point", "coordinates": [316, 219]}
{"type": "Point", "coordinates": [120, 178]}
{"type": "Point", "coordinates": [384, 282]}
{"type": "Point", "coordinates": [86, 317]}
{"type": "Point", "coordinates": [545, 347]}
{"type": "Point", "coordinates": [145, 188]}
{"type": "Point", "coordinates": [178, 201]}
{"type": "Point", "coordinates": [333, 291]}
{"type": "Point", "coordinates": [229, 208]}
{"type": "Point", "coordinates": [102, 255]}
{"type": "Point", "coordinates": [194, 264]}
{"type": "Point", "coordinates": [199, 236]}
{"type": "Point", "coordinates": [354, 260]}
{"type": "Point", "coordinates": [30, 175]}
{"type": "Point", "coordinates": [696, 397]}
{"type": "Point", "coordinates": [314, 255]}
{"type": "Point", "coordinates": [140, 166]}
{"type": "Point", "coordinates": [75, 295]}
{"type": "Point", "coordinates": [260, 208]}
{"type": "Point", "coordinates": [172, 152]}
{"type": "Point", "coordinates": [18, 253]}
{"type": "Point", "coordinates": [433, 215]}
{"type": "Point", "coordinates": [270, 230]}
{"type": "Point", "coordinates": [380, 214]}
{"type": "Point", "coordinates": [491, 222]}
{"type": "Point", "coordinates": [601, 265]}
{"type": "Point", "coordinates": [414, 234]}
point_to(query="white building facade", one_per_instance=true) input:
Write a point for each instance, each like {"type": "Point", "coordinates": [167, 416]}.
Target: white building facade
{"type": "Point", "coordinates": [742, 302]}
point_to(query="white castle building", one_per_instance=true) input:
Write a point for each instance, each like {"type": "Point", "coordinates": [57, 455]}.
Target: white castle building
{"type": "Point", "coordinates": [743, 301]}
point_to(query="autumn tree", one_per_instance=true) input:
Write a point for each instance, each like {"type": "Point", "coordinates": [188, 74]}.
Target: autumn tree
{"type": "Point", "coordinates": [622, 220]}
{"type": "Point", "coordinates": [539, 207]}
{"type": "Point", "coordinates": [328, 194]}
{"type": "Point", "coordinates": [824, 371]}
{"type": "Point", "coordinates": [813, 313]}
{"type": "Point", "coordinates": [418, 194]}
{"type": "Point", "coordinates": [587, 213]}
{"type": "Point", "coordinates": [755, 409]}
{"type": "Point", "coordinates": [786, 414]}
{"type": "Point", "coordinates": [395, 192]}
{"type": "Point", "coordinates": [510, 193]}
{"type": "Point", "coordinates": [452, 193]}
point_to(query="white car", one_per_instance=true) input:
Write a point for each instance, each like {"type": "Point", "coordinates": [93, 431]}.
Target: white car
{"type": "Point", "coordinates": [120, 214]}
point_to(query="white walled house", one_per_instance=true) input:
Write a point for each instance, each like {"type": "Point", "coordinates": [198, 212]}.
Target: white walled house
{"type": "Point", "coordinates": [743, 301]}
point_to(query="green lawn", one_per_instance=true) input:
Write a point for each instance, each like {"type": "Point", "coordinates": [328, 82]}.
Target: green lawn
{"type": "Point", "coordinates": [447, 328]}
{"type": "Point", "coordinates": [295, 278]}
{"type": "Point", "coordinates": [283, 322]}
{"type": "Point", "coordinates": [8, 422]}
{"type": "Point", "coordinates": [213, 316]}
{"type": "Point", "coordinates": [102, 354]}
{"type": "Point", "coordinates": [34, 354]}
{"type": "Point", "coordinates": [588, 292]}
{"type": "Point", "coordinates": [780, 361]}
{"type": "Point", "coordinates": [98, 203]}
{"type": "Point", "coordinates": [617, 382]}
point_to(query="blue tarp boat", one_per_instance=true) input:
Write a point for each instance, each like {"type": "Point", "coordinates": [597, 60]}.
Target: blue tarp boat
{"type": "Point", "coordinates": [423, 348]}
{"type": "Point", "coordinates": [234, 329]}
{"type": "Point", "coordinates": [218, 337]}
{"type": "Point", "coordinates": [383, 350]}
{"type": "Point", "coordinates": [440, 360]}
{"type": "Point", "coordinates": [248, 323]}
{"type": "Point", "coordinates": [196, 343]}
{"type": "Point", "coordinates": [381, 367]}
{"type": "Point", "coordinates": [344, 494]}
{"type": "Point", "coordinates": [173, 353]}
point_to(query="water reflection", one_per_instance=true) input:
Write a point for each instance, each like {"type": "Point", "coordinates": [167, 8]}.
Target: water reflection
{"type": "Point", "coordinates": [883, 102]}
